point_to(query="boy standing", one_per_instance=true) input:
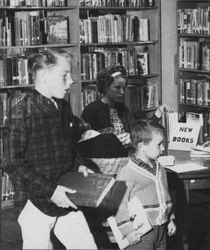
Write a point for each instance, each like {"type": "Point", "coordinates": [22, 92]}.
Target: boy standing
{"type": "Point", "coordinates": [41, 148]}
{"type": "Point", "coordinates": [146, 179]}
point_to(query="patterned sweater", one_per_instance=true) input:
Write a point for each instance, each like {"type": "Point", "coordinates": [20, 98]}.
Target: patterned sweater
{"type": "Point", "coordinates": [151, 187]}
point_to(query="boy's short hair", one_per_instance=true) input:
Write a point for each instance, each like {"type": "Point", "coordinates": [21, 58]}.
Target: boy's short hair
{"type": "Point", "coordinates": [46, 58]}
{"type": "Point", "coordinates": [143, 131]}
{"type": "Point", "coordinates": [107, 76]}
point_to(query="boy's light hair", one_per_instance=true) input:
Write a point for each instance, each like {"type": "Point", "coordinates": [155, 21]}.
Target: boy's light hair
{"type": "Point", "coordinates": [46, 58]}
{"type": "Point", "coordinates": [143, 131]}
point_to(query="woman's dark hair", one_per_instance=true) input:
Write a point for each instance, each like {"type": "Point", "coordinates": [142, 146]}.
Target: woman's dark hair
{"type": "Point", "coordinates": [105, 77]}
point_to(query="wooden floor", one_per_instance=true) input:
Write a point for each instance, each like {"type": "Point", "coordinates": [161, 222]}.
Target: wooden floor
{"type": "Point", "coordinates": [200, 236]}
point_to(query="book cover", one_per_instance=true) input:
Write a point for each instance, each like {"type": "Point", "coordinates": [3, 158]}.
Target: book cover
{"type": "Point", "coordinates": [183, 136]}
{"type": "Point", "coordinates": [92, 189]}
{"type": "Point", "coordinates": [143, 63]}
{"type": "Point", "coordinates": [135, 222]}
{"type": "Point", "coordinates": [58, 29]}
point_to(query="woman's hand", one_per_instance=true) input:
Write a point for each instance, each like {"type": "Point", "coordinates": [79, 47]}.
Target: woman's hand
{"type": "Point", "coordinates": [124, 138]}
{"type": "Point", "coordinates": [163, 109]}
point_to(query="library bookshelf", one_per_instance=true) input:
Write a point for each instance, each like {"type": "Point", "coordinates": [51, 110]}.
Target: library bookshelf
{"type": "Point", "coordinates": [123, 33]}
{"type": "Point", "coordinates": [99, 34]}
{"type": "Point", "coordinates": [193, 35]}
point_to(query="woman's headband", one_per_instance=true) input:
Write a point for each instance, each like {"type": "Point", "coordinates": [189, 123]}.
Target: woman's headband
{"type": "Point", "coordinates": [115, 74]}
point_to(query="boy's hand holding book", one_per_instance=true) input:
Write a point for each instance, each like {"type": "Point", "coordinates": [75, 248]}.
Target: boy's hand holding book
{"type": "Point", "coordinates": [60, 198]}
{"type": "Point", "coordinates": [129, 229]}
{"type": "Point", "coordinates": [171, 228]}
{"type": "Point", "coordinates": [93, 190]}
{"type": "Point", "coordinates": [133, 237]}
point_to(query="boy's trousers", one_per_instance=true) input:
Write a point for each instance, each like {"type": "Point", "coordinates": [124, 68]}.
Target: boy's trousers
{"type": "Point", "coordinates": [72, 229]}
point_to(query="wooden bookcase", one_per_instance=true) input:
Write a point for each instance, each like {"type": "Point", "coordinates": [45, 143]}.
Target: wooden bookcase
{"type": "Point", "coordinates": [193, 35]}
{"type": "Point", "coordinates": [100, 24]}
{"type": "Point", "coordinates": [127, 48]}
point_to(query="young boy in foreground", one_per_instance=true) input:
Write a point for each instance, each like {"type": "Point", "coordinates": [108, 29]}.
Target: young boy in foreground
{"type": "Point", "coordinates": [146, 179]}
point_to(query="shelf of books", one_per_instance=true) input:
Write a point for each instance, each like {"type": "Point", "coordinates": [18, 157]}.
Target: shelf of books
{"type": "Point", "coordinates": [29, 26]}
{"type": "Point", "coordinates": [123, 33]}
{"type": "Point", "coordinates": [193, 32]}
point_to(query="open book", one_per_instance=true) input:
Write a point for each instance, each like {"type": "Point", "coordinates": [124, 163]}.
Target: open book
{"type": "Point", "coordinates": [93, 189]}
{"type": "Point", "coordinates": [137, 222]}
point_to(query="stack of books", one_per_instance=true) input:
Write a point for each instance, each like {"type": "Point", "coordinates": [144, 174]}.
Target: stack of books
{"type": "Point", "coordinates": [200, 151]}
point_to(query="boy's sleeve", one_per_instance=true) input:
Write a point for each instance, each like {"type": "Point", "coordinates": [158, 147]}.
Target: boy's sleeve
{"type": "Point", "coordinates": [171, 215]}
{"type": "Point", "coordinates": [89, 116]}
{"type": "Point", "coordinates": [17, 165]}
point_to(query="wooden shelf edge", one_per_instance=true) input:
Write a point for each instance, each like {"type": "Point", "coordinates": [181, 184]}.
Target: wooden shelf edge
{"type": "Point", "coordinates": [16, 87]}
{"type": "Point", "coordinates": [197, 71]}
{"type": "Point", "coordinates": [194, 35]}
{"type": "Point", "coordinates": [119, 43]}
{"type": "Point", "coordinates": [131, 77]}
{"type": "Point", "coordinates": [40, 46]}
{"type": "Point", "coordinates": [116, 8]}
{"type": "Point", "coordinates": [22, 8]}
{"type": "Point", "coordinates": [189, 105]}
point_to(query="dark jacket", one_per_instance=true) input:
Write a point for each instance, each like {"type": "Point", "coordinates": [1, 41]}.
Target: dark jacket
{"type": "Point", "coordinates": [40, 147]}
{"type": "Point", "coordinates": [97, 115]}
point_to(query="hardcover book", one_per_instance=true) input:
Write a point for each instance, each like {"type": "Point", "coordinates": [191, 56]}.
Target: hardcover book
{"type": "Point", "coordinates": [143, 63]}
{"type": "Point", "coordinates": [58, 29]}
{"type": "Point", "coordinates": [93, 190]}
{"type": "Point", "coordinates": [135, 222]}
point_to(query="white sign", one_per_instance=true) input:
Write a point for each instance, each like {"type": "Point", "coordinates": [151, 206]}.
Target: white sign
{"type": "Point", "coordinates": [183, 136]}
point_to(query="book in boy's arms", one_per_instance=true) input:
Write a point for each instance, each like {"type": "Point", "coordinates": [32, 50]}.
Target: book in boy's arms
{"type": "Point", "coordinates": [135, 222]}
{"type": "Point", "coordinates": [93, 189]}
{"type": "Point", "coordinates": [57, 29]}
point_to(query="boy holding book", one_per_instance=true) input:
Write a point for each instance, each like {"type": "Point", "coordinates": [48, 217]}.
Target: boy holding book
{"type": "Point", "coordinates": [41, 148]}
{"type": "Point", "coordinates": [146, 179]}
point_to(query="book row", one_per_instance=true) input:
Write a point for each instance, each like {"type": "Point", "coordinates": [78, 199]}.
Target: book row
{"type": "Point", "coordinates": [134, 63]}
{"type": "Point", "coordinates": [195, 91]}
{"type": "Point", "coordinates": [89, 94]}
{"type": "Point", "coordinates": [136, 97]}
{"type": "Point", "coordinates": [14, 71]}
{"type": "Point", "coordinates": [118, 3]}
{"type": "Point", "coordinates": [142, 97]}
{"type": "Point", "coordinates": [193, 21]}
{"type": "Point", "coordinates": [194, 54]}
{"type": "Point", "coordinates": [32, 28]}
{"type": "Point", "coordinates": [114, 28]}
{"type": "Point", "coordinates": [35, 3]}
{"type": "Point", "coordinates": [7, 190]}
